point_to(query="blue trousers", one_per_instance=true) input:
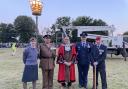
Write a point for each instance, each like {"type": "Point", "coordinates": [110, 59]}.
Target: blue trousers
{"type": "Point", "coordinates": [83, 74]}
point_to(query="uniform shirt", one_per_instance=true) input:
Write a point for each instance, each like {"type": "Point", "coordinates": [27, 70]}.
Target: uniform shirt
{"type": "Point", "coordinates": [30, 56]}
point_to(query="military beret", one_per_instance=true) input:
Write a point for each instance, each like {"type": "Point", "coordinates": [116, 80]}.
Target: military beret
{"type": "Point", "coordinates": [98, 38]}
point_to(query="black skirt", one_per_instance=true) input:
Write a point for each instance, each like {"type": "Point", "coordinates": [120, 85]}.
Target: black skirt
{"type": "Point", "coordinates": [30, 73]}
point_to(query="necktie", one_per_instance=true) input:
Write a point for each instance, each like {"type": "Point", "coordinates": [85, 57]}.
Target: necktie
{"type": "Point", "coordinates": [98, 46]}
{"type": "Point", "coordinates": [84, 44]}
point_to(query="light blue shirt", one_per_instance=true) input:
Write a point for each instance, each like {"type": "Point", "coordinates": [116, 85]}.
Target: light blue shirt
{"type": "Point", "coordinates": [83, 44]}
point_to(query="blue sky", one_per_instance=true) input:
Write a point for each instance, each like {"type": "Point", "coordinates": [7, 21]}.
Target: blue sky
{"type": "Point", "coordinates": [114, 12]}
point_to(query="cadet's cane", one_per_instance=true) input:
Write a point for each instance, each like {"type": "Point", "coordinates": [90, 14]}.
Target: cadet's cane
{"type": "Point", "coordinates": [94, 77]}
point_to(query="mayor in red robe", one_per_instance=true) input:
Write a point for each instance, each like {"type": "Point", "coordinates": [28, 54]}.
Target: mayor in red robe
{"type": "Point", "coordinates": [66, 60]}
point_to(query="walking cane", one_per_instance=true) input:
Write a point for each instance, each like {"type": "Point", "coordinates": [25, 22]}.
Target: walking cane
{"type": "Point", "coordinates": [94, 77]}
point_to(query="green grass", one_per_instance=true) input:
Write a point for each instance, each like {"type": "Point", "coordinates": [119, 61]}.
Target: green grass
{"type": "Point", "coordinates": [11, 68]}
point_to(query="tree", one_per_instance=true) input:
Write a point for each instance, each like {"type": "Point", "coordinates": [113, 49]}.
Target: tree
{"type": "Point", "coordinates": [125, 33]}
{"type": "Point", "coordinates": [40, 40]}
{"type": "Point", "coordinates": [82, 21]}
{"type": "Point", "coordinates": [60, 21]}
{"type": "Point", "coordinates": [2, 28]}
{"type": "Point", "coordinates": [99, 22]}
{"type": "Point", "coordinates": [25, 27]}
{"type": "Point", "coordinates": [7, 33]}
{"type": "Point", "coordinates": [88, 21]}
{"type": "Point", "coordinates": [79, 21]}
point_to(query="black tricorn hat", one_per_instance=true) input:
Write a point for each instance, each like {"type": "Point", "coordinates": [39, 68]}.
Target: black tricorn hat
{"type": "Point", "coordinates": [47, 36]}
{"type": "Point", "coordinates": [83, 34]}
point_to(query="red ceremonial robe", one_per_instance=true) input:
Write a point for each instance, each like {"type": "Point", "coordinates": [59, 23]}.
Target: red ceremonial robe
{"type": "Point", "coordinates": [60, 61]}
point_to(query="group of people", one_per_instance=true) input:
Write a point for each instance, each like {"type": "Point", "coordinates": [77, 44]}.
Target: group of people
{"type": "Point", "coordinates": [66, 55]}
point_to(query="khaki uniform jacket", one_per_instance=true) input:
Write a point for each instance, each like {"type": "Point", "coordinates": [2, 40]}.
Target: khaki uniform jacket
{"type": "Point", "coordinates": [47, 57]}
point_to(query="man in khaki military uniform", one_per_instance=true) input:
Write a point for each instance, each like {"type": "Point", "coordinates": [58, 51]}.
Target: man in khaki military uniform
{"type": "Point", "coordinates": [47, 57]}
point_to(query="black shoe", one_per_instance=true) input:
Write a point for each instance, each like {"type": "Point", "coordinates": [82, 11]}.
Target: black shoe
{"type": "Point", "coordinates": [69, 84]}
{"type": "Point", "coordinates": [85, 87]}
{"type": "Point", "coordinates": [63, 84]}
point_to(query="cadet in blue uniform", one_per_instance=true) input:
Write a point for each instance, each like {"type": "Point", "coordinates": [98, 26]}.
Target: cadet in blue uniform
{"type": "Point", "coordinates": [83, 53]}
{"type": "Point", "coordinates": [99, 55]}
{"type": "Point", "coordinates": [30, 57]}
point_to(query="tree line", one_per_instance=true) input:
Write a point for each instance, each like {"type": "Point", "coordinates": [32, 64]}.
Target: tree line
{"type": "Point", "coordinates": [79, 21]}
{"type": "Point", "coordinates": [21, 30]}
{"type": "Point", "coordinates": [24, 27]}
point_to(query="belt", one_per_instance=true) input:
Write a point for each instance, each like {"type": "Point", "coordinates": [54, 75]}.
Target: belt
{"type": "Point", "coordinates": [46, 57]}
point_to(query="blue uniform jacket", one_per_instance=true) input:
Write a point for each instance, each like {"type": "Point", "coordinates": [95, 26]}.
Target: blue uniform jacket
{"type": "Point", "coordinates": [98, 53]}
{"type": "Point", "coordinates": [83, 53]}
{"type": "Point", "coordinates": [30, 56]}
